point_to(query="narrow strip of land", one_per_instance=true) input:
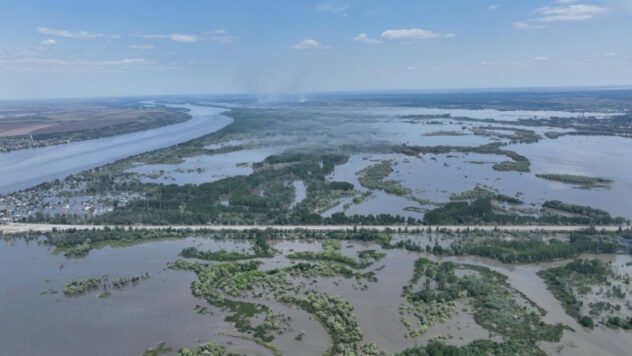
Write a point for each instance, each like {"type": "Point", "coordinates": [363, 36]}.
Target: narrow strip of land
{"type": "Point", "coordinates": [23, 228]}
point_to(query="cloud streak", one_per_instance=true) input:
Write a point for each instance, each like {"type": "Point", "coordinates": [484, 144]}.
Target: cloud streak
{"type": "Point", "coordinates": [364, 38]}
{"type": "Point", "coordinates": [80, 35]}
{"type": "Point", "coordinates": [567, 13]}
{"type": "Point", "coordinates": [176, 37]}
{"type": "Point", "coordinates": [307, 44]}
{"type": "Point", "coordinates": [332, 7]}
{"type": "Point", "coordinates": [141, 46]}
{"type": "Point", "coordinates": [413, 34]}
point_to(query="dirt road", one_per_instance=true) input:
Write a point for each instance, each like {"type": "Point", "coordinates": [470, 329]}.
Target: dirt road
{"type": "Point", "coordinates": [21, 228]}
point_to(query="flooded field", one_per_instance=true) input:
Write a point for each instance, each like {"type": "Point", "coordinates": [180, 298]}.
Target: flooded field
{"type": "Point", "coordinates": [162, 308]}
{"type": "Point", "coordinates": [202, 169]}
{"type": "Point", "coordinates": [303, 163]}
{"type": "Point", "coordinates": [367, 135]}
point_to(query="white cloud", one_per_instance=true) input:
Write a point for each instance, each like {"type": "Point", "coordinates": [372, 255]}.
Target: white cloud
{"type": "Point", "coordinates": [527, 25]}
{"type": "Point", "coordinates": [64, 33]}
{"type": "Point", "coordinates": [49, 42]}
{"type": "Point", "coordinates": [364, 38]}
{"type": "Point", "coordinates": [569, 13]}
{"type": "Point", "coordinates": [493, 7]}
{"type": "Point", "coordinates": [449, 35]}
{"type": "Point", "coordinates": [177, 37]}
{"type": "Point", "coordinates": [332, 7]}
{"type": "Point", "coordinates": [126, 61]}
{"type": "Point", "coordinates": [412, 34]}
{"type": "Point", "coordinates": [411, 68]}
{"type": "Point", "coordinates": [309, 44]}
{"type": "Point", "coordinates": [550, 14]}
{"type": "Point", "coordinates": [540, 59]}
{"type": "Point", "coordinates": [219, 35]}
{"type": "Point", "coordinates": [141, 46]}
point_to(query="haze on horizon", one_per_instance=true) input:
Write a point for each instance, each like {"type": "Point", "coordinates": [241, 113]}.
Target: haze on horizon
{"type": "Point", "coordinates": [118, 48]}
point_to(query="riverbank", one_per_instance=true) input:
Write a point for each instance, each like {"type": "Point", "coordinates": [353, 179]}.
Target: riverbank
{"type": "Point", "coordinates": [38, 165]}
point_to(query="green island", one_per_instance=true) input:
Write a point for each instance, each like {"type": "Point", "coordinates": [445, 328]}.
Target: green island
{"type": "Point", "coordinates": [82, 286]}
{"type": "Point", "coordinates": [373, 176]}
{"type": "Point", "coordinates": [582, 182]}
{"type": "Point", "coordinates": [435, 287]}
{"type": "Point", "coordinates": [591, 292]}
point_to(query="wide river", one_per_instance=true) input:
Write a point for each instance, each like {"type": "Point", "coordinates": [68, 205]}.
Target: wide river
{"type": "Point", "coordinates": [26, 168]}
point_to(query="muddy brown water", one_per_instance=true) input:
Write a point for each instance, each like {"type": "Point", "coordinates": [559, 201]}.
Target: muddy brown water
{"type": "Point", "coordinates": [161, 308]}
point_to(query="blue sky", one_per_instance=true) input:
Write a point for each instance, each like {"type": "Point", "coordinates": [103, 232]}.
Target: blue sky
{"type": "Point", "coordinates": [141, 47]}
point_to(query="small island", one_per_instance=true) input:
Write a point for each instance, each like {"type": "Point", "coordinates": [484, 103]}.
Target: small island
{"type": "Point", "coordinates": [582, 182]}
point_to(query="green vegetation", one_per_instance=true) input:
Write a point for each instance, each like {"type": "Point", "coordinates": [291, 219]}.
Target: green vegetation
{"type": "Point", "coordinates": [331, 252]}
{"type": "Point", "coordinates": [81, 286]}
{"type": "Point", "coordinates": [219, 284]}
{"type": "Point", "coordinates": [122, 236]}
{"type": "Point", "coordinates": [336, 315]}
{"type": "Point", "coordinates": [373, 177]}
{"type": "Point", "coordinates": [478, 212]}
{"type": "Point", "coordinates": [79, 250]}
{"type": "Point", "coordinates": [581, 277]}
{"type": "Point", "coordinates": [162, 348]}
{"type": "Point", "coordinates": [125, 281]}
{"type": "Point", "coordinates": [532, 250]}
{"type": "Point", "coordinates": [482, 193]}
{"type": "Point", "coordinates": [518, 136]}
{"type": "Point", "coordinates": [445, 133]}
{"type": "Point", "coordinates": [201, 204]}
{"type": "Point", "coordinates": [77, 243]}
{"type": "Point", "coordinates": [482, 211]}
{"type": "Point", "coordinates": [554, 134]}
{"type": "Point", "coordinates": [261, 249]}
{"type": "Point", "coordinates": [583, 182]}
{"type": "Point", "coordinates": [496, 305]}
{"type": "Point", "coordinates": [221, 255]}
{"type": "Point", "coordinates": [518, 163]}
{"type": "Point", "coordinates": [582, 214]}
{"type": "Point", "coordinates": [475, 348]}
{"type": "Point", "coordinates": [208, 349]}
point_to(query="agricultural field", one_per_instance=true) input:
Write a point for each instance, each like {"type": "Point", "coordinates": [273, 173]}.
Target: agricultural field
{"type": "Point", "coordinates": [28, 125]}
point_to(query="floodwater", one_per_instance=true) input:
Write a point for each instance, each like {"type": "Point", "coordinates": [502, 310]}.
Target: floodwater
{"type": "Point", "coordinates": [34, 166]}
{"type": "Point", "coordinates": [161, 308]}
{"type": "Point", "coordinates": [300, 192]}
{"type": "Point", "coordinates": [595, 156]}
{"type": "Point", "coordinates": [582, 341]}
{"type": "Point", "coordinates": [204, 168]}
{"type": "Point", "coordinates": [434, 177]}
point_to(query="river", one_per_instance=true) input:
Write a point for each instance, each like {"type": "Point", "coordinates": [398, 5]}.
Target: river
{"type": "Point", "coordinates": [26, 168]}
